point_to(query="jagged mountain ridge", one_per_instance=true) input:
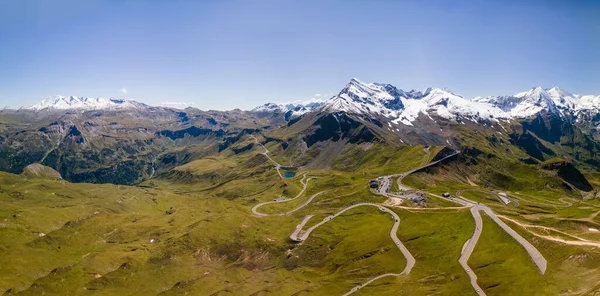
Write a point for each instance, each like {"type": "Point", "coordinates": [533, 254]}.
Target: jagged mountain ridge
{"type": "Point", "coordinates": [553, 100]}
{"type": "Point", "coordinates": [402, 106]}
{"type": "Point", "coordinates": [95, 142]}
{"type": "Point", "coordinates": [405, 106]}
{"type": "Point", "coordinates": [290, 110]}
{"type": "Point", "coordinates": [84, 103]}
{"type": "Point", "coordinates": [120, 145]}
{"type": "Point", "coordinates": [531, 126]}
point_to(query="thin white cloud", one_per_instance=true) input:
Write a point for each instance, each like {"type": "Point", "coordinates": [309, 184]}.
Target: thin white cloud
{"type": "Point", "coordinates": [176, 104]}
{"type": "Point", "coordinates": [123, 90]}
{"type": "Point", "coordinates": [318, 95]}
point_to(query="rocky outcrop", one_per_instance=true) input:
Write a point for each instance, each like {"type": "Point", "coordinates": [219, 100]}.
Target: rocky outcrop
{"type": "Point", "coordinates": [36, 170]}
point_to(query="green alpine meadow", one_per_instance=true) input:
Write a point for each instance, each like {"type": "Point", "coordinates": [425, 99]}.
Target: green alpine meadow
{"type": "Point", "coordinates": [299, 148]}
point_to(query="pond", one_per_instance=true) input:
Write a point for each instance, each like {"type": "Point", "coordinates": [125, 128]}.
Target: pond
{"type": "Point", "coordinates": [289, 174]}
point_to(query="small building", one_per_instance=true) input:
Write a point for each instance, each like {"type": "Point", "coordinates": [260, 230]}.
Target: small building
{"type": "Point", "coordinates": [446, 194]}
{"type": "Point", "coordinates": [373, 184]}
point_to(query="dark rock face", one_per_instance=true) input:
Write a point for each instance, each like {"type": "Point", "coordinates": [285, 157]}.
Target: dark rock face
{"type": "Point", "coordinates": [395, 104]}
{"type": "Point", "coordinates": [242, 149]}
{"type": "Point", "coordinates": [212, 121]}
{"type": "Point", "coordinates": [191, 131]}
{"type": "Point", "coordinates": [548, 127]}
{"type": "Point", "coordinates": [553, 129]}
{"type": "Point", "coordinates": [183, 116]}
{"type": "Point", "coordinates": [570, 174]}
{"type": "Point", "coordinates": [448, 151]}
{"type": "Point", "coordinates": [531, 145]}
{"type": "Point", "coordinates": [127, 172]}
{"type": "Point", "coordinates": [75, 135]}
{"type": "Point", "coordinates": [337, 126]}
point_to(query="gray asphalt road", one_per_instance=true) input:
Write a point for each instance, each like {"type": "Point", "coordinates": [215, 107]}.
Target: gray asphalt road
{"type": "Point", "coordinates": [426, 160]}
{"type": "Point", "coordinates": [535, 255]}
{"type": "Point", "coordinates": [282, 200]}
{"type": "Point", "coordinates": [300, 235]}
{"type": "Point", "coordinates": [494, 193]}
{"type": "Point", "coordinates": [266, 154]}
{"type": "Point", "coordinates": [469, 245]}
{"type": "Point", "coordinates": [468, 250]}
{"type": "Point", "coordinates": [386, 181]}
{"type": "Point", "coordinates": [401, 176]}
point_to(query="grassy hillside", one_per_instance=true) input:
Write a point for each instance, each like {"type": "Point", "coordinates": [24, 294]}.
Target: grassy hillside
{"type": "Point", "coordinates": [191, 230]}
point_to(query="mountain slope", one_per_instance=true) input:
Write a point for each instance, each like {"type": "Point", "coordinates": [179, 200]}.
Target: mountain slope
{"type": "Point", "coordinates": [123, 146]}
{"type": "Point", "coordinates": [405, 107]}
{"type": "Point", "coordinates": [139, 141]}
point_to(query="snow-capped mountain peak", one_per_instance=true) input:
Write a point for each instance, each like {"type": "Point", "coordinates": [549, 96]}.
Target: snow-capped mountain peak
{"type": "Point", "coordinates": [296, 108]}
{"type": "Point", "coordinates": [269, 107]}
{"type": "Point", "coordinates": [73, 102]}
{"type": "Point", "coordinates": [400, 106]}
{"type": "Point", "coordinates": [558, 92]}
{"type": "Point", "coordinates": [536, 100]}
{"type": "Point", "coordinates": [359, 97]}
{"type": "Point", "coordinates": [405, 107]}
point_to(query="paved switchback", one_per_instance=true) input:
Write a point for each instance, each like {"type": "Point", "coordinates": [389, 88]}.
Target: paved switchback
{"type": "Point", "coordinates": [468, 248]}
{"type": "Point", "coordinates": [266, 154]}
{"type": "Point", "coordinates": [534, 254]}
{"type": "Point", "coordinates": [497, 194]}
{"type": "Point", "coordinates": [282, 200]}
{"type": "Point", "coordinates": [401, 176]}
{"type": "Point", "coordinates": [300, 235]}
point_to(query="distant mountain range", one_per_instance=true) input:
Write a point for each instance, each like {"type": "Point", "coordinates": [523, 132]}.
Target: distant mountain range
{"type": "Point", "coordinates": [405, 106]}
{"type": "Point", "coordinates": [89, 139]}
{"type": "Point", "coordinates": [396, 104]}
{"type": "Point", "coordinates": [72, 102]}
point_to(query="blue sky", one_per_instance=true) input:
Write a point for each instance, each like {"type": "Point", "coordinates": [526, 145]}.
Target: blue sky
{"type": "Point", "coordinates": [227, 54]}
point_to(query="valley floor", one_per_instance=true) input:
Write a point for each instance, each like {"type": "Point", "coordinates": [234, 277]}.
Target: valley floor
{"type": "Point", "coordinates": [247, 230]}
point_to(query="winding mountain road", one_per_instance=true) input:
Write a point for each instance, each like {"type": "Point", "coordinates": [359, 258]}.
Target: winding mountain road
{"type": "Point", "coordinates": [564, 203]}
{"type": "Point", "coordinates": [468, 248]}
{"type": "Point", "coordinates": [266, 154]}
{"type": "Point", "coordinates": [300, 235]}
{"type": "Point", "coordinates": [282, 200]}
{"type": "Point", "coordinates": [426, 160]}
{"type": "Point", "coordinates": [401, 176]}
{"type": "Point", "coordinates": [535, 255]}
{"type": "Point", "coordinates": [470, 244]}
{"type": "Point", "coordinates": [494, 193]}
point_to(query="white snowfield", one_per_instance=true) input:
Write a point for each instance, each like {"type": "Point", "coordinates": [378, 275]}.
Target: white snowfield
{"type": "Point", "coordinates": [405, 106]}
{"type": "Point", "coordinates": [72, 102]}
